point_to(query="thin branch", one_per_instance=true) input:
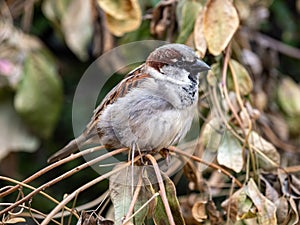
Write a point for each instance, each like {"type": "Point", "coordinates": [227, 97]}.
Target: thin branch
{"type": "Point", "coordinates": [211, 165]}
{"type": "Point", "coordinates": [63, 176]}
{"type": "Point", "coordinates": [82, 188]}
{"type": "Point", "coordinates": [162, 191]}
{"type": "Point", "coordinates": [50, 167]}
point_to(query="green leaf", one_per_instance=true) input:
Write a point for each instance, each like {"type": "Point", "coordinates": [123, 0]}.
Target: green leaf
{"type": "Point", "coordinates": [288, 95]}
{"type": "Point", "coordinates": [187, 12]}
{"type": "Point", "coordinates": [230, 153]}
{"type": "Point", "coordinates": [160, 215]}
{"type": "Point", "coordinates": [38, 98]}
{"type": "Point", "coordinates": [122, 186]}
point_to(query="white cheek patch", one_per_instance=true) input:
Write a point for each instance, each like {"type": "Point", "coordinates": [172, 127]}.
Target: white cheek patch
{"type": "Point", "coordinates": [176, 78]}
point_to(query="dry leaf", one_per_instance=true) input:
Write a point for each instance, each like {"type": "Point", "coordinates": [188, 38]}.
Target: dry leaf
{"type": "Point", "coordinates": [15, 220]}
{"type": "Point", "coordinates": [199, 39]}
{"type": "Point", "coordinates": [220, 23]}
{"type": "Point", "coordinates": [267, 149]}
{"type": "Point", "coordinates": [77, 26]}
{"type": "Point", "coordinates": [122, 16]}
{"type": "Point", "coordinates": [199, 211]}
{"type": "Point", "coordinates": [214, 215]}
{"type": "Point", "coordinates": [266, 210]}
{"type": "Point", "coordinates": [282, 209]}
{"type": "Point", "coordinates": [230, 153]}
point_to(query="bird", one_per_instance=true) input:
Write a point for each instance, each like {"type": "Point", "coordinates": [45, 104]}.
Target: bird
{"type": "Point", "coordinates": [152, 108]}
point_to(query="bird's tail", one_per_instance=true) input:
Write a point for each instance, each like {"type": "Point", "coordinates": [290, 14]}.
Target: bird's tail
{"type": "Point", "coordinates": [70, 148]}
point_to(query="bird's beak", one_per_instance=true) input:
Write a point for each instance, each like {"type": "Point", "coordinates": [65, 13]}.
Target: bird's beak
{"type": "Point", "coordinates": [200, 66]}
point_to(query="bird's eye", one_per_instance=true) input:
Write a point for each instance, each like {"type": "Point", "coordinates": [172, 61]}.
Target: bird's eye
{"type": "Point", "coordinates": [179, 63]}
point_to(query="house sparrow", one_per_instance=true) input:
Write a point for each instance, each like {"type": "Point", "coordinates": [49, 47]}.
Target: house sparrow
{"type": "Point", "coordinates": [151, 108]}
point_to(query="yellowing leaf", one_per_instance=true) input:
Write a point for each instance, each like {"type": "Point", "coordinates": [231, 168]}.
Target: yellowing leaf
{"type": "Point", "coordinates": [288, 96]}
{"type": "Point", "coordinates": [122, 16]}
{"type": "Point", "coordinates": [266, 210]}
{"type": "Point", "coordinates": [244, 81]}
{"type": "Point", "coordinates": [220, 23]}
{"type": "Point", "coordinates": [230, 153]}
{"type": "Point", "coordinates": [199, 38]}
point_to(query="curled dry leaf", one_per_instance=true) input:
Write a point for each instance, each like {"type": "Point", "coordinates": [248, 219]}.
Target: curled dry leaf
{"type": "Point", "coordinates": [268, 156]}
{"type": "Point", "coordinates": [220, 23]}
{"type": "Point", "coordinates": [266, 210]}
{"type": "Point", "coordinates": [199, 38]}
{"type": "Point", "coordinates": [199, 211]}
{"type": "Point", "coordinates": [282, 209]}
{"type": "Point", "coordinates": [239, 206]}
{"type": "Point", "coordinates": [15, 220]}
{"type": "Point", "coordinates": [230, 153]}
{"type": "Point", "coordinates": [122, 16]}
{"type": "Point", "coordinates": [244, 82]}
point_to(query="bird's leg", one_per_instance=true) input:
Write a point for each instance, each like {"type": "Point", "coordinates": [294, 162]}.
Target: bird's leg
{"type": "Point", "coordinates": [165, 153]}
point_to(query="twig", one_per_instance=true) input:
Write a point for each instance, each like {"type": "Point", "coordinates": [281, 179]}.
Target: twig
{"type": "Point", "coordinates": [63, 176]}
{"type": "Point", "coordinates": [50, 167]}
{"type": "Point", "coordinates": [162, 191]}
{"type": "Point", "coordinates": [211, 165]}
{"type": "Point", "coordinates": [32, 188]}
{"type": "Point", "coordinates": [134, 198]}
{"type": "Point", "coordinates": [82, 188]}
{"type": "Point", "coordinates": [272, 43]}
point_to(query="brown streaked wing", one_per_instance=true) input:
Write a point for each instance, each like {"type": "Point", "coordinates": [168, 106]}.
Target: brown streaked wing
{"type": "Point", "coordinates": [131, 80]}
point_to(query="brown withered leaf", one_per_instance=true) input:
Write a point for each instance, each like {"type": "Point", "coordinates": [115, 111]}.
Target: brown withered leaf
{"type": "Point", "coordinates": [266, 210]}
{"type": "Point", "coordinates": [163, 19]}
{"type": "Point", "coordinates": [294, 213]}
{"type": "Point", "coordinates": [199, 211]}
{"type": "Point", "coordinates": [122, 16]}
{"type": "Point", "coordinates": [199, 38]}
{"type": "Point", "coordinates": [282, 209]}
{"type": "Point", "coordinates": [214, 215]}
{"type": "Point", "coordinates": [268, 156]}
{"type": "Point", "coordinates": [290, 184]}
{"type": "Point", "coordinates": [220, 23]}
{"type": "Point", "coordinates": [240, 206]}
